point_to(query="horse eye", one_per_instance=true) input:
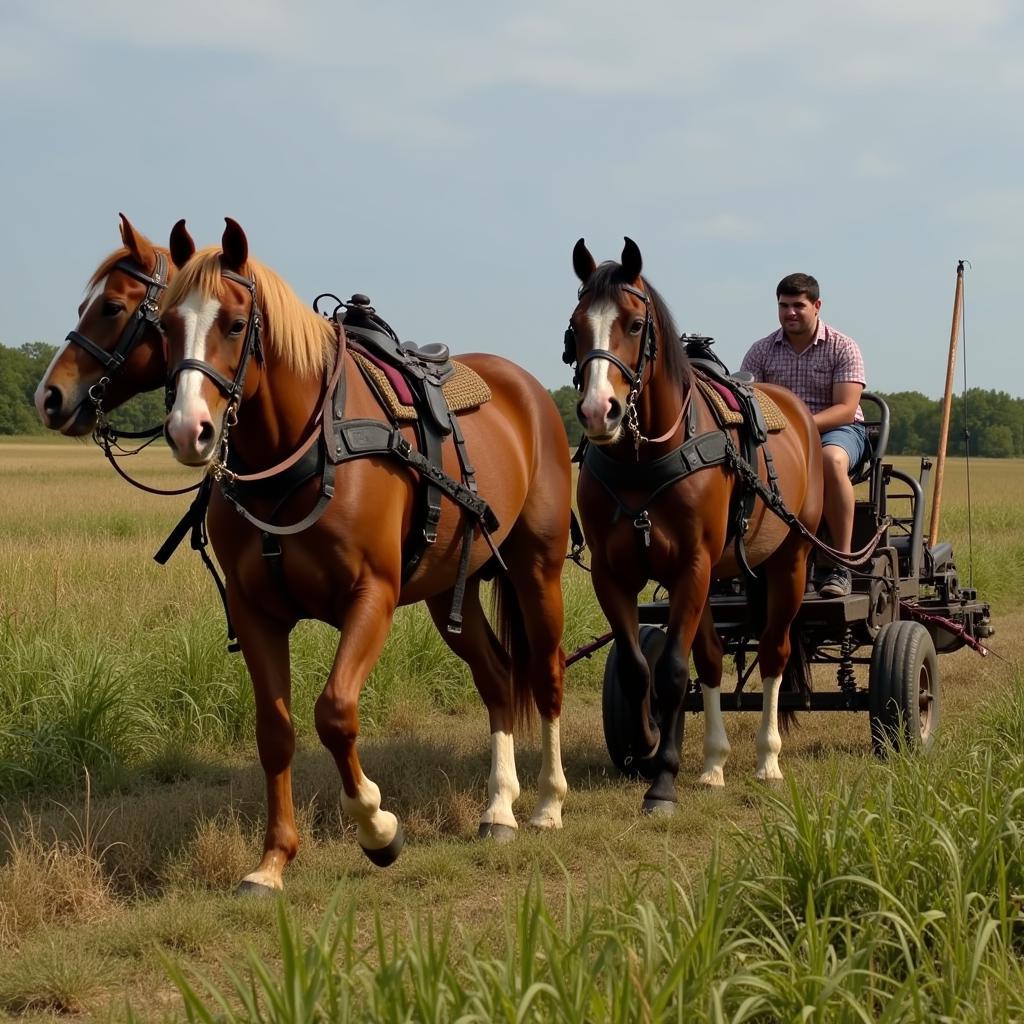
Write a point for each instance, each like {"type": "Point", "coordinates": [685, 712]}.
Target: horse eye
{"type": "Point", "coordinates": [111, 308]}
{"type": "Point", "coordinates": [636, 327]}
{"type": "Point", "coordinates": [238, 326]}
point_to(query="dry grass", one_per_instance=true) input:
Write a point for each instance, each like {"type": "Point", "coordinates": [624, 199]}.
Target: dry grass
{"type": "Point", "coordinates": [84, 909]}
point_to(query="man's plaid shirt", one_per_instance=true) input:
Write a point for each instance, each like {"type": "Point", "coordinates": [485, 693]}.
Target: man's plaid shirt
{"type": "Point", "coordinates": [832, 358]}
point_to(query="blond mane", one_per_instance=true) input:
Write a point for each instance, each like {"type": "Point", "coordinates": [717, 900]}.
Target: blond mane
{"type": "Point", "coordinates": [304, 340]}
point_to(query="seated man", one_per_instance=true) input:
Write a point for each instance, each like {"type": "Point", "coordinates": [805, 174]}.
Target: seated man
{"type": "Point", "coordinates": [825, 369]}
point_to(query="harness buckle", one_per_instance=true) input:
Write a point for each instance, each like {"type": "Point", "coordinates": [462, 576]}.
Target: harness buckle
{"type": "Point", "coordinates": [643, 522]}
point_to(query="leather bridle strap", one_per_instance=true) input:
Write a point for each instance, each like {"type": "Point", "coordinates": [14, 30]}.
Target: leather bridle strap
{"type": "Point", "coordinates": [648, 347]}
{"type": "Point", "coordinates": [231, 389]}
{"type": "Point", "coordinates": [147, 315]}
{"type": "Point", "coordinates": [319, 424]}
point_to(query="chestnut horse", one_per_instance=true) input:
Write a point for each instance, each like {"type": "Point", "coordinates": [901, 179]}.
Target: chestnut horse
{"type": "Point", "coordinates": [644, 520]}
{"type": "Point", "coordinates": [246, 356]}
{"type": "Point", "coordinates": [115, 351]}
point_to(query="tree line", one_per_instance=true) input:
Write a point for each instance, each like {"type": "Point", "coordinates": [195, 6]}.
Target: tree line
{"type": "Point", "coordinates": [994, 419]}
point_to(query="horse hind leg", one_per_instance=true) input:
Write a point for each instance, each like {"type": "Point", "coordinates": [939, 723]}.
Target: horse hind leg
{"type": "Point", "coordinates": [787, 576]}
{"type": "Point", "coordinates": [491, 668]}
{"type": "Point", "coordinates": [707, 658]}
{"type": "Point", "coordinates": [531, 601]}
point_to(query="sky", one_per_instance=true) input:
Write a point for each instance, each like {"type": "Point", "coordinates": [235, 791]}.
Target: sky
{"type": "Point", "coordinates": [444, 158]}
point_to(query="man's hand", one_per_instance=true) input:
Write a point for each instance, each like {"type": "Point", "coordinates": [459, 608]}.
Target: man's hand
{"type": "Point", "coordinates": [845, 398]}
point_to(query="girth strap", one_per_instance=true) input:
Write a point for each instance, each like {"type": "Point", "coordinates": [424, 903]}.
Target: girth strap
{"type": "Point", "coordinates": [360, 438]}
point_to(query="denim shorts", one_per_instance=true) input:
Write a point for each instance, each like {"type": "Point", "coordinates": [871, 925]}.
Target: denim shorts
{"type": "Point", "coordinates": [852, 438]}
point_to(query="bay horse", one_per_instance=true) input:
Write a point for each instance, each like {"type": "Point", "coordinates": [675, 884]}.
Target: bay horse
{"type": "Point", "coordinates": [116, 350]}
{"type": "Point", "coordinates": [246, 356]}
{"type": "Point", "coordinates": [645, 519]}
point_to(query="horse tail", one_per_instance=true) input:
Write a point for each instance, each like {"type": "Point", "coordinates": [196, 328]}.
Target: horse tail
{"type": "Point", "coordinates": [796, 676]}
{"type": "Point", "coordinates": [511, 630]}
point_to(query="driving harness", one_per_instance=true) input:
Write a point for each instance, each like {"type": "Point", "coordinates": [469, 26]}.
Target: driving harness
{"type": "Point", "coordinates": [697, 451]}
{"type": "Point", "coordinates": [336, 440]}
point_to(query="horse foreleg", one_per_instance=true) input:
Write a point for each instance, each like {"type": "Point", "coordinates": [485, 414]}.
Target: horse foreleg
{"type": "Point", "coordinates": [364, 625]}
{"type": "Point", "coordinates": [619, 607]}
{"type": "Point", "coordinates": [707, 658]}
{"type": "Point", "coordinates": [688, 596]}
{"type": "Point", "coordinates": [264, 643]}
{"type": "Point", "coordinates": [491, 669]}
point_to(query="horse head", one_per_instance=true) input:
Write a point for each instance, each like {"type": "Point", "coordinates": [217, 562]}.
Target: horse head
{"type": "Point", "coordinates": [212, 324]}
{"type": "Point", "coordinates": [612, 339]}
{"type": "Point", "coordinates": [115, 350]}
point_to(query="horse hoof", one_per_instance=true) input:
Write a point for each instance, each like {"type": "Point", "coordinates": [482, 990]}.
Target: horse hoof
{"type": "Point", "coordinates": [663, 808]}
{"type": "Point", "coordinates": [501, 834]}
{"type": "Point", "coordinates": [247, 888]}
{"type": "Point", "coordinates": [385, 856]}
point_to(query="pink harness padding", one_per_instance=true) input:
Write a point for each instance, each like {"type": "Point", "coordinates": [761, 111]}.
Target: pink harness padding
{"type": "Point", "coordinates": [727, 396]}
{"type": "Point", "coordinates": [401, 386]}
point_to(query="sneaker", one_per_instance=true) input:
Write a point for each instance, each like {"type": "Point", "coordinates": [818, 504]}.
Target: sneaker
{"type": "Point", "coordinates": [837, 585]}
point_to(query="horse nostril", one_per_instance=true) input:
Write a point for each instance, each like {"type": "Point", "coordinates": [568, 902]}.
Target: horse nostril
{"type": "Point", "coordinates": [206, 432]}
{"type": "Point", "coordinates": [614, 410]}
{"type": "Point", "coordinates": [53, 402]}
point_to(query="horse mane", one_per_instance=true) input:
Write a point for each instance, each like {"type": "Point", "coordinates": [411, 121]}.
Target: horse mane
{"type": "Point", "coordinates": [304, 340]}
{"type": "Point", "coordinates": [111, 261]}
{"type": "Point", "coordinates": [606, 283]}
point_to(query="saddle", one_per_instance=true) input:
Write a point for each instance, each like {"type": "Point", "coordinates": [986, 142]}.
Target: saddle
{"type": "Point", "coordinates": [734, 402]}
{"type": "Point", "coordinates": [410, 380]}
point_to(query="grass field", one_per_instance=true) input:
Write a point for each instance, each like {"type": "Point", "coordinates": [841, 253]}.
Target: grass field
{"type": "Point", "coordinates": [115, 665]}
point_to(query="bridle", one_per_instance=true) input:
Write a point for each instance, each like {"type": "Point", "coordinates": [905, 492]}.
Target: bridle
{"type": "Point", "coordinates": [634, 375]}
{"type": "Point", "coordinates": [230, 389]}
{"type": "Point", "coordinates": [648, 348]}
{"type": "Point", "coordinates": [146, 316]}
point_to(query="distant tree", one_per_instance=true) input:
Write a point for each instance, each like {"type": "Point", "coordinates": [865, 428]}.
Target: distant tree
{"type": "Point", "coordinates": [998, 442]}
{"type": "Point", "coordinates": [566, 398]}
{"type": "Point", "coordinates": [20, 371]}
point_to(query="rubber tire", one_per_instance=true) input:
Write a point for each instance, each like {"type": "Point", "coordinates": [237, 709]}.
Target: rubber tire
{"type": "Point", "coordinates": [622, 734]}
{"type": "Point", "coordinates": [904, 665]}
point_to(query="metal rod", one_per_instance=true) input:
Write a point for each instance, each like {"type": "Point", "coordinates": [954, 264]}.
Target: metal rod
{"type": "Point", "coordinates": [947, 405]}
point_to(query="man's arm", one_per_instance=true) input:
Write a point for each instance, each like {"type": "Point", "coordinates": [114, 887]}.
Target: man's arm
{"type": "Point", "coordinates": [845, 398]}
{"type": "Point", "coordinates": [752, 363]}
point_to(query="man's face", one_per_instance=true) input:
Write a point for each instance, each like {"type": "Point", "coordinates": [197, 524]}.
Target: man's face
{"type": "Point", "coordinates": [798, 314]}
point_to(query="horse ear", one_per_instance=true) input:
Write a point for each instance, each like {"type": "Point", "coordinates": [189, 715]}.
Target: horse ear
{"type": "Point", "coordinates": [137, 244]}
{"type": "Point", "coordinates": [182, 246]}
{"type": "Point", "coordinates": [582, 262]}
{"type": "Point", "coordinates": [234, 246]}
{"type": "Point", "coordinates": [632, 261]}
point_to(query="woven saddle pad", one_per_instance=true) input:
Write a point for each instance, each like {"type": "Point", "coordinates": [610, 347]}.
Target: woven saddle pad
{"type": "Point", "coordinates": [465, 389]}
{"type": "Point", "coordinates": [773, 418]}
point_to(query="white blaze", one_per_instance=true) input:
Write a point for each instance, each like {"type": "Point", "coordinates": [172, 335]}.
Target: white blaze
{"type": "Point", "coordinates": [44, 381]}
{"type": "Point", "coordinates": [197, 315]}
{"type": "Point", "coordinates": [598, 391]}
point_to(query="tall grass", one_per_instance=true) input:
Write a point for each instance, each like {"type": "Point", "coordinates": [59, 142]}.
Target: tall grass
{"type": "Point", "coordinates": [896, 898]}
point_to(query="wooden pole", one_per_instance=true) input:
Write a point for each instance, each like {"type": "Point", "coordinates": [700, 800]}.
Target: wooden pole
{"type": "Point", "coordinates": [947, 405]}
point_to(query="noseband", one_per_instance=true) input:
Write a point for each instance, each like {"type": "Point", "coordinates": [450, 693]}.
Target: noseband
{"type": "Point", "coordinates": [230, 389]}
{"type": "Point", "coordinates": [648, 349]}
{"type": "Point", "coordinates": [146, 316]}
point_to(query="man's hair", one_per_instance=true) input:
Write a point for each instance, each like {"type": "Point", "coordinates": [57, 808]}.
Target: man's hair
{"type": "Point", "coordinates": [799, 284]}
